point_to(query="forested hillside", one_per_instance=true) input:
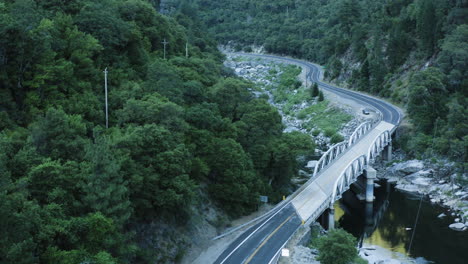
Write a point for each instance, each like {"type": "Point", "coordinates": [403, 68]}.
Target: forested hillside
{"type": "Point", "coordinates": [414, 52]}
{"type": "Point", "coordinates": [72, 191]}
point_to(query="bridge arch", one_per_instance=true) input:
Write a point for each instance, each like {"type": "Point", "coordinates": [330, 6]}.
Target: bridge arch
{"type": "Point", "coordinates": [329, 156]}
{"type": "Point", "coordinates": [348, 176]}
{"type": "Point", "coordinates": [378, 145]}
{"type": "Point", "coordinates": [361, 130]}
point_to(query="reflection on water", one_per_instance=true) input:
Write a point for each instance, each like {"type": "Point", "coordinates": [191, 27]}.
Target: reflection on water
{"type": "Point", "coordinates": [390, 224]}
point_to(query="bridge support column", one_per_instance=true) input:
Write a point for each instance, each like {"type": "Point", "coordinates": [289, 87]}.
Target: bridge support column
{"type": "Point", "coordinates": [331, 218]}
{"type": "Point", "coordinates": [370, 175]}
{"type": "Point", "coordinates": [369, 213]}
{"type": "Point", "coordinates": [387, 152]}
{"type": "Point", "coordinates": [369, 219]}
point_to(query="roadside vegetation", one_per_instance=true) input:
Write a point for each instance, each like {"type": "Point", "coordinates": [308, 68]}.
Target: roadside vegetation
{"type": "Point", "coordinates": [316, 114]}
{"type": "Point", "coordinates": [180, 130]}
{"type": "Point", "coordinates": [335, 247]}
{"type": "Point", "coordinates": [412, 52]}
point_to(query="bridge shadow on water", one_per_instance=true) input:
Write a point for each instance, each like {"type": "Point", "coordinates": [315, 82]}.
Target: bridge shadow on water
{"type": "Point", "coordinates": [389, 223]}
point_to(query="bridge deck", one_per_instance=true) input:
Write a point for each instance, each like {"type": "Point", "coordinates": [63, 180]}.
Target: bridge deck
{"type": "Point", "coordinates": [309, 200]}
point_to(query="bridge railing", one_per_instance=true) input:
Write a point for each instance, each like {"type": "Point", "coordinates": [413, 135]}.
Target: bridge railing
{"type": "Point", "coordinates": [332, 153]}
{"type": "Point", "coordinates": [378, 145]}
{"type": "Point", "coordinates": [361, 130]}
{"type": "Point", "coordinates": [348, 176]}
{"type": "Point", "coordinates": [336, 150]}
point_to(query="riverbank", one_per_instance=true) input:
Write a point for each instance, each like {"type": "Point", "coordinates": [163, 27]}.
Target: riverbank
{"type": "Point", "coordinates": [436, 181]}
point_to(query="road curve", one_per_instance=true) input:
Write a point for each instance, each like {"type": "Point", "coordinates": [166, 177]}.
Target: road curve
{"type": "Point", "coordinates": [262, 242]}
{"type": "Point", "coordinates": [390, 113]}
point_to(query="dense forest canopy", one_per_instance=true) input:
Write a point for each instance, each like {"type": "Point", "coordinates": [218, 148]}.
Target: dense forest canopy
{"type": "Point", "coordinates": [72, 191]}
{"type": "Point", "coordinates": [414, 52]}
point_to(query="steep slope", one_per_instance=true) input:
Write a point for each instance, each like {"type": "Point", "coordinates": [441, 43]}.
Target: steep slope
{"type": "Point", "coordinates": [413, 52]}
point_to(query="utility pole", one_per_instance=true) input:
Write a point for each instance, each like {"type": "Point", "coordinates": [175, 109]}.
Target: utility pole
{"type": "Point", "coordinates": [165, 43]}
{"type": "Point", "coordinates": [105, 91]}
{"type": "Point", "coordinates": [186, 49]}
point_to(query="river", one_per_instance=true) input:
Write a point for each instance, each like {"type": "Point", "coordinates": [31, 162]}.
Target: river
{"type": "Point", "coordinates": [392, 223]}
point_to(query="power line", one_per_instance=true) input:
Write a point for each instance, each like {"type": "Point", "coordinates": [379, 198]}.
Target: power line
{"type": "Point", "coordinates": [414, 228]}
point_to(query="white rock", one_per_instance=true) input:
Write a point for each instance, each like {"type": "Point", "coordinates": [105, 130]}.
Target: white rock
{"type": "Point", "coordinates": [441, 181]}
{"type": "Point", "coordinates": [458, 226]}
{"type": "Point", "coordinates": [311, 164]}
{"type": "Point", "coordinates": [409, 167]}
{"type": "Point", "coordinates": [457, 220]}
{"type": "Point", "coordinates": [371, 247]}
{"type": "Point", "coordinates": [407, 188]}
{"type": "Point", "coordinates": [422, 181]}
{"type": "Point", "coordinates": [442, 215]}
{"type": "Point", "coordinates": [389, 261]}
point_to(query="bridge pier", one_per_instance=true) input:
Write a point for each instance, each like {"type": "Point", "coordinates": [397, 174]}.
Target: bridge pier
{"type": "Point", "coordinates": [331, 218]}
{"type": "Point", "coordinates": [387, 152]}
{"type": "Point", "coordinates": [370, 175]}
{"type": "Point", "coordinates": [369, 212]}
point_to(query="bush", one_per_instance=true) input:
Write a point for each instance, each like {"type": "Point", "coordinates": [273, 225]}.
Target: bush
{"type": "Point", "coordinates": [301, 115]}
{"type": "Point", "coordinates": [321, 98]}
{"type": "Point", "coordinates": [316, 132]}
{"type": "Point", "coordinates": [336, 138]}
{"type": "Point", "coordinates": [338, 247]}
{"type": "Point", "coordinates": [329, 132]}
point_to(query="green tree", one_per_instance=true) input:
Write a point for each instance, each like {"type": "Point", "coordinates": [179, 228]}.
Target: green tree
{"type": "Point", "coordinates": [427, 98]}
{"type": "Point", "coordinates": [232, 178]}
{"type": "Point", "coordinates": [321, 97]}
{"type": "Point", "coordinates": [314, 90]}
{"type": "Point", "coordinates": [453, 59]}
{"type": "Point", "coordinates": [105, 189]}
{"type": "Point", "coordinates": [59, 135]}
{"type": "Point", "coordinates": [337, 247]}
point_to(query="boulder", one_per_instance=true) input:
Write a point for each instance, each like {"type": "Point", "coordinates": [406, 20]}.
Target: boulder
{"type": "Point", "coordinates": [442, 215]}
{"type": "Point", "coordinates": [311, 164]}
{"type": "Point", "coordinates": [389, 261]}
{"type": "Point", "coordinates": [407, 188]}
{"type": "Point", "coordinates": [408, 167]}
{"type": "Point", "coordinates": [458, 226]}
{"type": "Point", "coordinates": [421, 181]}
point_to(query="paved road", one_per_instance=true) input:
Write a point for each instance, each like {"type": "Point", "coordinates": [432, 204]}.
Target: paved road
{"type": "Point", "coordinates": [262, 242]}
{"type": "Point", "coordinates": [390, 113]}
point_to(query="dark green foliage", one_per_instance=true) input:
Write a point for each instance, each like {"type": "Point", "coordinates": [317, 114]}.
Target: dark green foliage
{"type": "Point", "coordinates": [314, 90]}
{"type": "Point", "coordinates": [74, 192]}
{"type": "Point", "coordinates": [320, 96]}
{"type": "Point", "coordinates": [337, 247]}
{"type": "Point", "coordinates": [368, 44]}
{"type": "Point", "coordinates": [336, 138]}
{"type": "Point", "coordinates": [426, 100]}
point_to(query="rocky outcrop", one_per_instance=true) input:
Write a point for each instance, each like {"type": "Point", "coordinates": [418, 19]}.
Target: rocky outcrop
{"type": "Point", "coordinates": [259, 71]}
{"type": "Point", "coordinates": [435, 181]}
{"type": "Point", "coordinates": [408, 167]}
{"type": "Point", "coordinates": [458, 226]}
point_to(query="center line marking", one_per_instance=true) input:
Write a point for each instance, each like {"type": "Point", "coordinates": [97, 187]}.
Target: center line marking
{"type": "Point", "coordinates": [268, 238]}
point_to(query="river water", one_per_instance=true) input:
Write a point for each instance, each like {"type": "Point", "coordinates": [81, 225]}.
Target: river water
{"type": "Point", "coordinates": [390, 223]}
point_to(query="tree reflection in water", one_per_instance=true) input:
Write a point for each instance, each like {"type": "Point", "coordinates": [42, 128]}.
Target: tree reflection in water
{"type": "Point", "coordinates": [433, 239]}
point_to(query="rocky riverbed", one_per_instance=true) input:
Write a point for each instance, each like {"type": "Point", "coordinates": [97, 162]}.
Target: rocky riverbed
{"type": "Point", "coordinates": [436, 181]}
{"type": "Point", "coordinates": [259, 72]}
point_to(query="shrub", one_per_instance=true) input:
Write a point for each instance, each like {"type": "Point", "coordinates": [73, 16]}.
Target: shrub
{"type": "Point", "coordinates": [329, 132]}
{"type": "Point", "coordinates": [338, 247]}
{"type": "Point", "coordinates": [336, 138]}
